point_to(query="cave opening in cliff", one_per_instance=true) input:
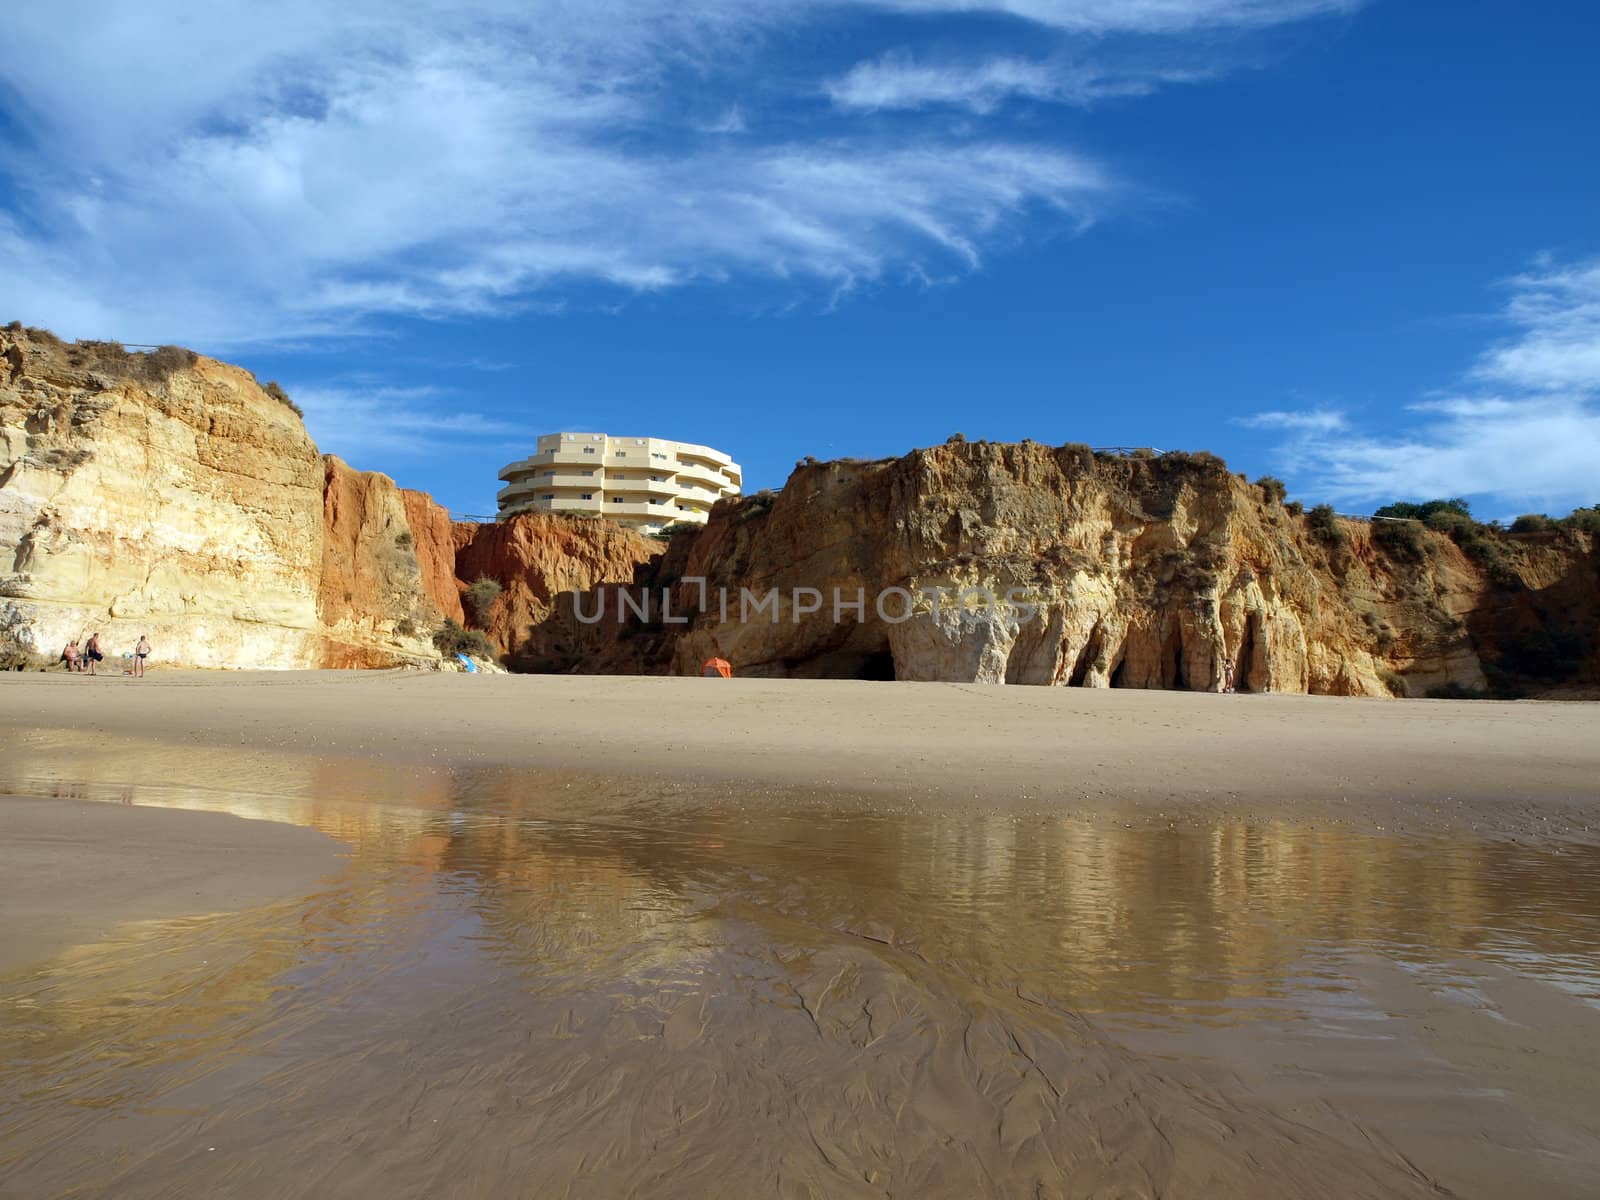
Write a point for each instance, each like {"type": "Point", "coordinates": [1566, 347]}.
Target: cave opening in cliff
{"type": "Point", "coordinates": [876, 666]}
{"type": "Point", "coordinates": [1172, 673]}
{"type": "Point", "coordinates": [1247, 650]}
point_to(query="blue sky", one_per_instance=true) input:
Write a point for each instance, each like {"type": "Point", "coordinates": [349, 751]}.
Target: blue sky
{"type": "Point", "coordinates": [1356, 244]}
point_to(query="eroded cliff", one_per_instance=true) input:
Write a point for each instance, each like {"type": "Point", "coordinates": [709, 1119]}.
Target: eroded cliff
{"type": "Point", "coordinates": [537, 559]}
{"type": "Point", "coordinates": [171, 495]}
{"type": "Point", "coordinates": [1052, 565]}
{"type": "Point", "coordinates": [166, 495]}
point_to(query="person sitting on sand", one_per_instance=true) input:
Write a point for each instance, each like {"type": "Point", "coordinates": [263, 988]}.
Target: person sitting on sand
{"type": "Point", "coordinates": [91, 652]}
{"type": "Point", "coordinates": [140, 653]}
{"type": "Point", "coordinates": [69, 655]}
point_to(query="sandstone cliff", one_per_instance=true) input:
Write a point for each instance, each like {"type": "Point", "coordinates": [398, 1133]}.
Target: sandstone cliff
{"type": "Point", "coordinates": [1129, 572]}
{"type": "Point", "coordinates": [165, 495]}
{"type": "Point", "coordinates": [171, 495]}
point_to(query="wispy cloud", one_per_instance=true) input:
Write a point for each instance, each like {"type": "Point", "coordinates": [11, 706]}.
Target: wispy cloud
{"type": "Point", "coordinates": [366, 424]}
{"type": "Point", "coordinates": [1141, 16]}
{"type": "Point", "coordinates": [1523, 430]}
{"type": "Point", "coordinates": [1321, 420]}
{"type": "Point", "coordinates": [1558, 310]}
{"type": "Point", "coordinates": [897, 81]}
{"type": "Point", "coordinates": [235, 172]}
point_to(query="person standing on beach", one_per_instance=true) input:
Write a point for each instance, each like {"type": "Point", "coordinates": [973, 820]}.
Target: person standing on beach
{"type": "Point", "coordinates": [140, 653]}
{"type": "Point", "coordinates": [91, 652]}
{"type": "Point", "coordinates": [1227, 675]}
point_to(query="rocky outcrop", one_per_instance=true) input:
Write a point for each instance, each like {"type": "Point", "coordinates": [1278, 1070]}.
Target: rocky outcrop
{"type": "Point", "coordinates": [434, 545]}
{"type": "Point", "coordinates": [375, 605]}
{"type": "Point", "coordinates": [170, 495]}
{"type": "Point", "coordinates": [538, 558]}
{"type": "Point", "coordinates": [1052, 565]}
{"type": "Point", "coordinates": [164, 495]}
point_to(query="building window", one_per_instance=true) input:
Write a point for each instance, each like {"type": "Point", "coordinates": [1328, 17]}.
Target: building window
{"type": "Point", "coordinates": [616, 500]}
{"type": "Point", "coordinates": [588, 449]}
{"type": "Point", "coordinates": [550, 497]}
{"type": "Point", "coordinates": [658, 502]}
{"type": "Point", "coordinates": [662, 457]}
{"type": "Point", "coordinates": [622, 454]}
{"type": "Point", "coordinates": [588, 495]}
{"type": "Point", "coordinates": [549, 474]}
{"type": "Point", "coordinates": [589, 473]}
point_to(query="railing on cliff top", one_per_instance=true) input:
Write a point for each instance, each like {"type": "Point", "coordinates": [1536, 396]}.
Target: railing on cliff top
{"type": "Point", "coordinates": [472, 518]}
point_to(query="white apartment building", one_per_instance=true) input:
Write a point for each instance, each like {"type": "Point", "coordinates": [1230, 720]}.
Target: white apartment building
{"type": "Point", "coordinates": [648, 483]}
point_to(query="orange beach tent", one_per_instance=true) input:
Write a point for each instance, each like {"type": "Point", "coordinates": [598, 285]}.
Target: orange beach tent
{"type": "Point", "coordinates": [716, 668]}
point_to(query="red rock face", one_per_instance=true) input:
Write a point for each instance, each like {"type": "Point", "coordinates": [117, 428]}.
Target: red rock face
{"type": "Point", "coordinates": [379, 577]}
{"type": "Point", "coordinates": [536, 558]}
{"type": "Point", "coordinates": [435, 547]}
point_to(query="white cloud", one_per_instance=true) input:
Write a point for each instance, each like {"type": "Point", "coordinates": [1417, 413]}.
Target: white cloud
{"type": "Point", "coordinates": [1320, 420]}
{"type": "Point", "coordinates": [236, 172]}
{"type": "Point", "coordinates": [364, 424]}
{"type": "Point", "coordinates": [1559, 312]}
{"type": "Point", "coordinates": [897, 81]}
{"type": "Point", "coordinates": [1140, 16]}
{"type": "Point", "coordinates": [1530, 444]}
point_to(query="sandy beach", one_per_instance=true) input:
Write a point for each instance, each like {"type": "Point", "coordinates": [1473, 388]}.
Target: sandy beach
{"type": "Point", "coordinates": [71, 871]}
{"type": "Point", "coordinates": [566, 936]}
{"type": "Point", "coordinates": [1524, 768]}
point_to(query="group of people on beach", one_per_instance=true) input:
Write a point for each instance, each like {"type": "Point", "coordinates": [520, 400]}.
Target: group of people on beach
{"type": "Point", "coordinates": [89, 656]}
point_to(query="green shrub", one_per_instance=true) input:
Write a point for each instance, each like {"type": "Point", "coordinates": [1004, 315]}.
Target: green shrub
{"type": "Point", "coordinates": [1202, 460]}
{"type": "Point", "coordinates": [755, 505]}
{"type": "Point", "coordinates": [1402, 541]}
{"type": "Point", "coordinates": [481, 597]}
{"type": "Point", "coordinates": [1421, 512]}
{"type": "Point", "coordinates": [403, 539]}
{"type": "Point", "coordinates": [1585, 519]}
{"type": "Point", "coordinates": [1295, 509]}
{"type": "Point", "coordinates": [1532, 523]}
{"type": "Point", "coordinates": [405, 627]}
{"type": "Point", "coordinates": [1324, 525]}
{"type": "Point", "coordinates": [451, 638]}
{"type": "Point", "coordinates": [1275, 489]}
{"type": "Point", "coordinates": [1458, 528]}
{"type": "Point", "coordinates": [677, 527]}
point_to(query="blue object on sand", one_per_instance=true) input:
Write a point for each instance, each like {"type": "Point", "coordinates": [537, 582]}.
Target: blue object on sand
{"type": "Point", "coordinates": [466, 662]}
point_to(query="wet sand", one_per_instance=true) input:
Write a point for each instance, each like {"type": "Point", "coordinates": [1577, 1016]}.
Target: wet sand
{"type": "Point", "coordinates": [1517, 769]}
{"type": "Point", "coordinates": [674, 938]}
{"type": "Point", "coordinates": [72, 871]}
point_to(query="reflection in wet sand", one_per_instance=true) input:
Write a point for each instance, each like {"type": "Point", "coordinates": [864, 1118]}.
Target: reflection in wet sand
{"type": "Point", "coordinates": [527, 984]}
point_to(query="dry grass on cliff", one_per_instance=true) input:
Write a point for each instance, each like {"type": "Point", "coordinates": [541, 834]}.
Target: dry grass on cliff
{"type": "Point", "coordinates": [150, 368]}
